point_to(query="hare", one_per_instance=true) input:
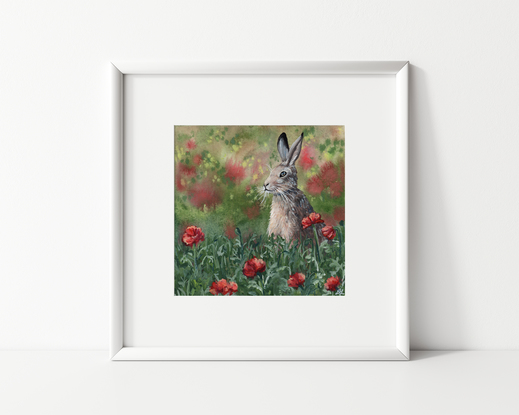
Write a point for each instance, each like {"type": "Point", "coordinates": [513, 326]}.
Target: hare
{"type": "Point", "coordinates": [289, 204]}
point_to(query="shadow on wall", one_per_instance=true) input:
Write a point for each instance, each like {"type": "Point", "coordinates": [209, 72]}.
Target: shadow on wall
{"type": "Point", "coordinates": [435, 314]}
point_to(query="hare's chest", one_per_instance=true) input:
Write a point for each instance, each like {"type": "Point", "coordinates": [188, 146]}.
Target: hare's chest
{"type": "Point", "coordinates": [284, 221]}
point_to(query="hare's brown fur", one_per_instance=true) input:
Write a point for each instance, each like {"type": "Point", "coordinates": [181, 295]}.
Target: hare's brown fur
{"type": "Point", "coordinates": [289, 203]}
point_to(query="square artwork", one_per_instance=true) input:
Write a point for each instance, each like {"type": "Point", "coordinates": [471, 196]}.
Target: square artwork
{"type": "Point", "coordinates": [259, 210]}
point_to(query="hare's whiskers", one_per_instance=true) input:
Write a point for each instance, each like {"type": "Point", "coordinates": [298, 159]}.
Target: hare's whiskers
{"type": "Point", "coordinates": [263, 194]}
{"type": "Point", "coordinates": [264, 198]}
{"type": "Point", "coordinates": [260, 193]}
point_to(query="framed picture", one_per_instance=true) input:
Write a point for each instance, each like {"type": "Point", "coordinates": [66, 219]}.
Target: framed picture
{"type": "Point", "coordinates": [259, 211]}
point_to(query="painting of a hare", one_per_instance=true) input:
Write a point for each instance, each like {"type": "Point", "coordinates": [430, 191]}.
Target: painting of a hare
{"type": "Point", "coordinates": [289, 204]}
{"type": "Point", "coordinates": [226, 244]}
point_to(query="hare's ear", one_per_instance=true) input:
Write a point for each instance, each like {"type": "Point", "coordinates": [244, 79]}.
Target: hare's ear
{"type": "Point", "coordinates": [295, 150]}
{"type": "Point", "coordinates": [283, 146]}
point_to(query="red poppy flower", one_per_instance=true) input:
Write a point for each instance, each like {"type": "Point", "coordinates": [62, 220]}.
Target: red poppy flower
{"type": "Point", "coordinates": [253, 266]}
{"type": "Point", "coordinates": [193, 235]}
{"type": "Point", "coordinates": [223, 287]}
{"type": "Point", "coordinates": [233, 287]}
{"type": "Point", "coordinates": [248, 270]}
{"type": "Point", "coordinates": [214, 288]}
{"type": "Point", "coordinates": [191, 145]}
{"type": "Point", "coordinates": [296, 280]}
{"type": "Point", "coordinates": [329, 232]}
{"type": "Point", "coordinates": [332, 283]}
{"type": "Point", "coordinates": [311, 219]}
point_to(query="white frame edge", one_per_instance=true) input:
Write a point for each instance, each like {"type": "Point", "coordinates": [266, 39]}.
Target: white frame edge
{"type": "Point", "coordinates": [116, 237]}
{"type": "Point", "coordinates": [117, 350]}
{"type": "Point", "coordinates": [261, 68]}
{"type": "Point", "coordinates": [402, 300]}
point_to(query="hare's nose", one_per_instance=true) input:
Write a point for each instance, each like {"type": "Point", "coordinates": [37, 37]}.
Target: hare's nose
{"type": "Point", "coordinates": [266, 185]}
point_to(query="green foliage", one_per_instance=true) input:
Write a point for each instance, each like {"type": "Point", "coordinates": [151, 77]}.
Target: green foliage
{"type": "Point", "coordinates": [220, 257]}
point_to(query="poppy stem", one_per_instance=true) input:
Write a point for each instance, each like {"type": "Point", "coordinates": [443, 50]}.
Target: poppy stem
{"type": "Point", "coordinates": [340, 241]}
{"type": "Point", "coordinates": [194, 254]}
{"type": "Point", "coordinates": [318, 257]}
{"type": "Point", "coordinates": [241, 242]}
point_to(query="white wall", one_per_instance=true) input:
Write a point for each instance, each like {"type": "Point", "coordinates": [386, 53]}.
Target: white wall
{"type": "Point", "coordinates": [54, 143]}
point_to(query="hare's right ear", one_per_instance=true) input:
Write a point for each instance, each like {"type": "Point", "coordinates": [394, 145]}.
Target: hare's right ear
{"type": "Point", "coordinates": [283, 146]}
{"type": "Point", "coordinates": [295, 150]}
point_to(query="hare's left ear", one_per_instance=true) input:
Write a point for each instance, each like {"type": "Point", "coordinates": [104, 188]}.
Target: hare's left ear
{"type": "Point", "coordinates": [283, 147]}
{"type": "Point", "coordinates": [295, 150]}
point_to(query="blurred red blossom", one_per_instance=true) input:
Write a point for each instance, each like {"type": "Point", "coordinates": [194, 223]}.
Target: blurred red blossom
{"type": "Point", "coordinates": [253, 211]}
{"type": "Point", "coordinates": [205, 194]}
{"type": "Point", "coordinates": [338, 213]}
{"type": "Point", "coordinates": [197, 159]}
{"type": "Point", "coordinates": [308, 157]}
{"type": "Point", "coordinates": [328, 173]}
{"type": "Point", "coordinates": [186, 171]}
{"type": "Point", "coordinates": [336, 189]}
{"type": "Point", "coordinates": [328, 177]}
{"type": "Point", "coordinates": [234, 171]}
{"type": "Point", "coordinates": [329, 219]}
{"type": "Point", "coordinates": [191, 145]}
{"type": "Point", "coordinates": [230, 230]}
{"type": "Point", "coordinates": [180, 184]}
{"type": "Point", "coordinates": [315, 185]}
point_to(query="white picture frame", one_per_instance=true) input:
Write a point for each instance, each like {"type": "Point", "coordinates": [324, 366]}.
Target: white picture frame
{"type": "Point", "coordinates": [397, 351]}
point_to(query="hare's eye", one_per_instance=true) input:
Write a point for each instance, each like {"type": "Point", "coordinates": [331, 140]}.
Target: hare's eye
{"type": "Point", "coordinates": [283, 174]}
